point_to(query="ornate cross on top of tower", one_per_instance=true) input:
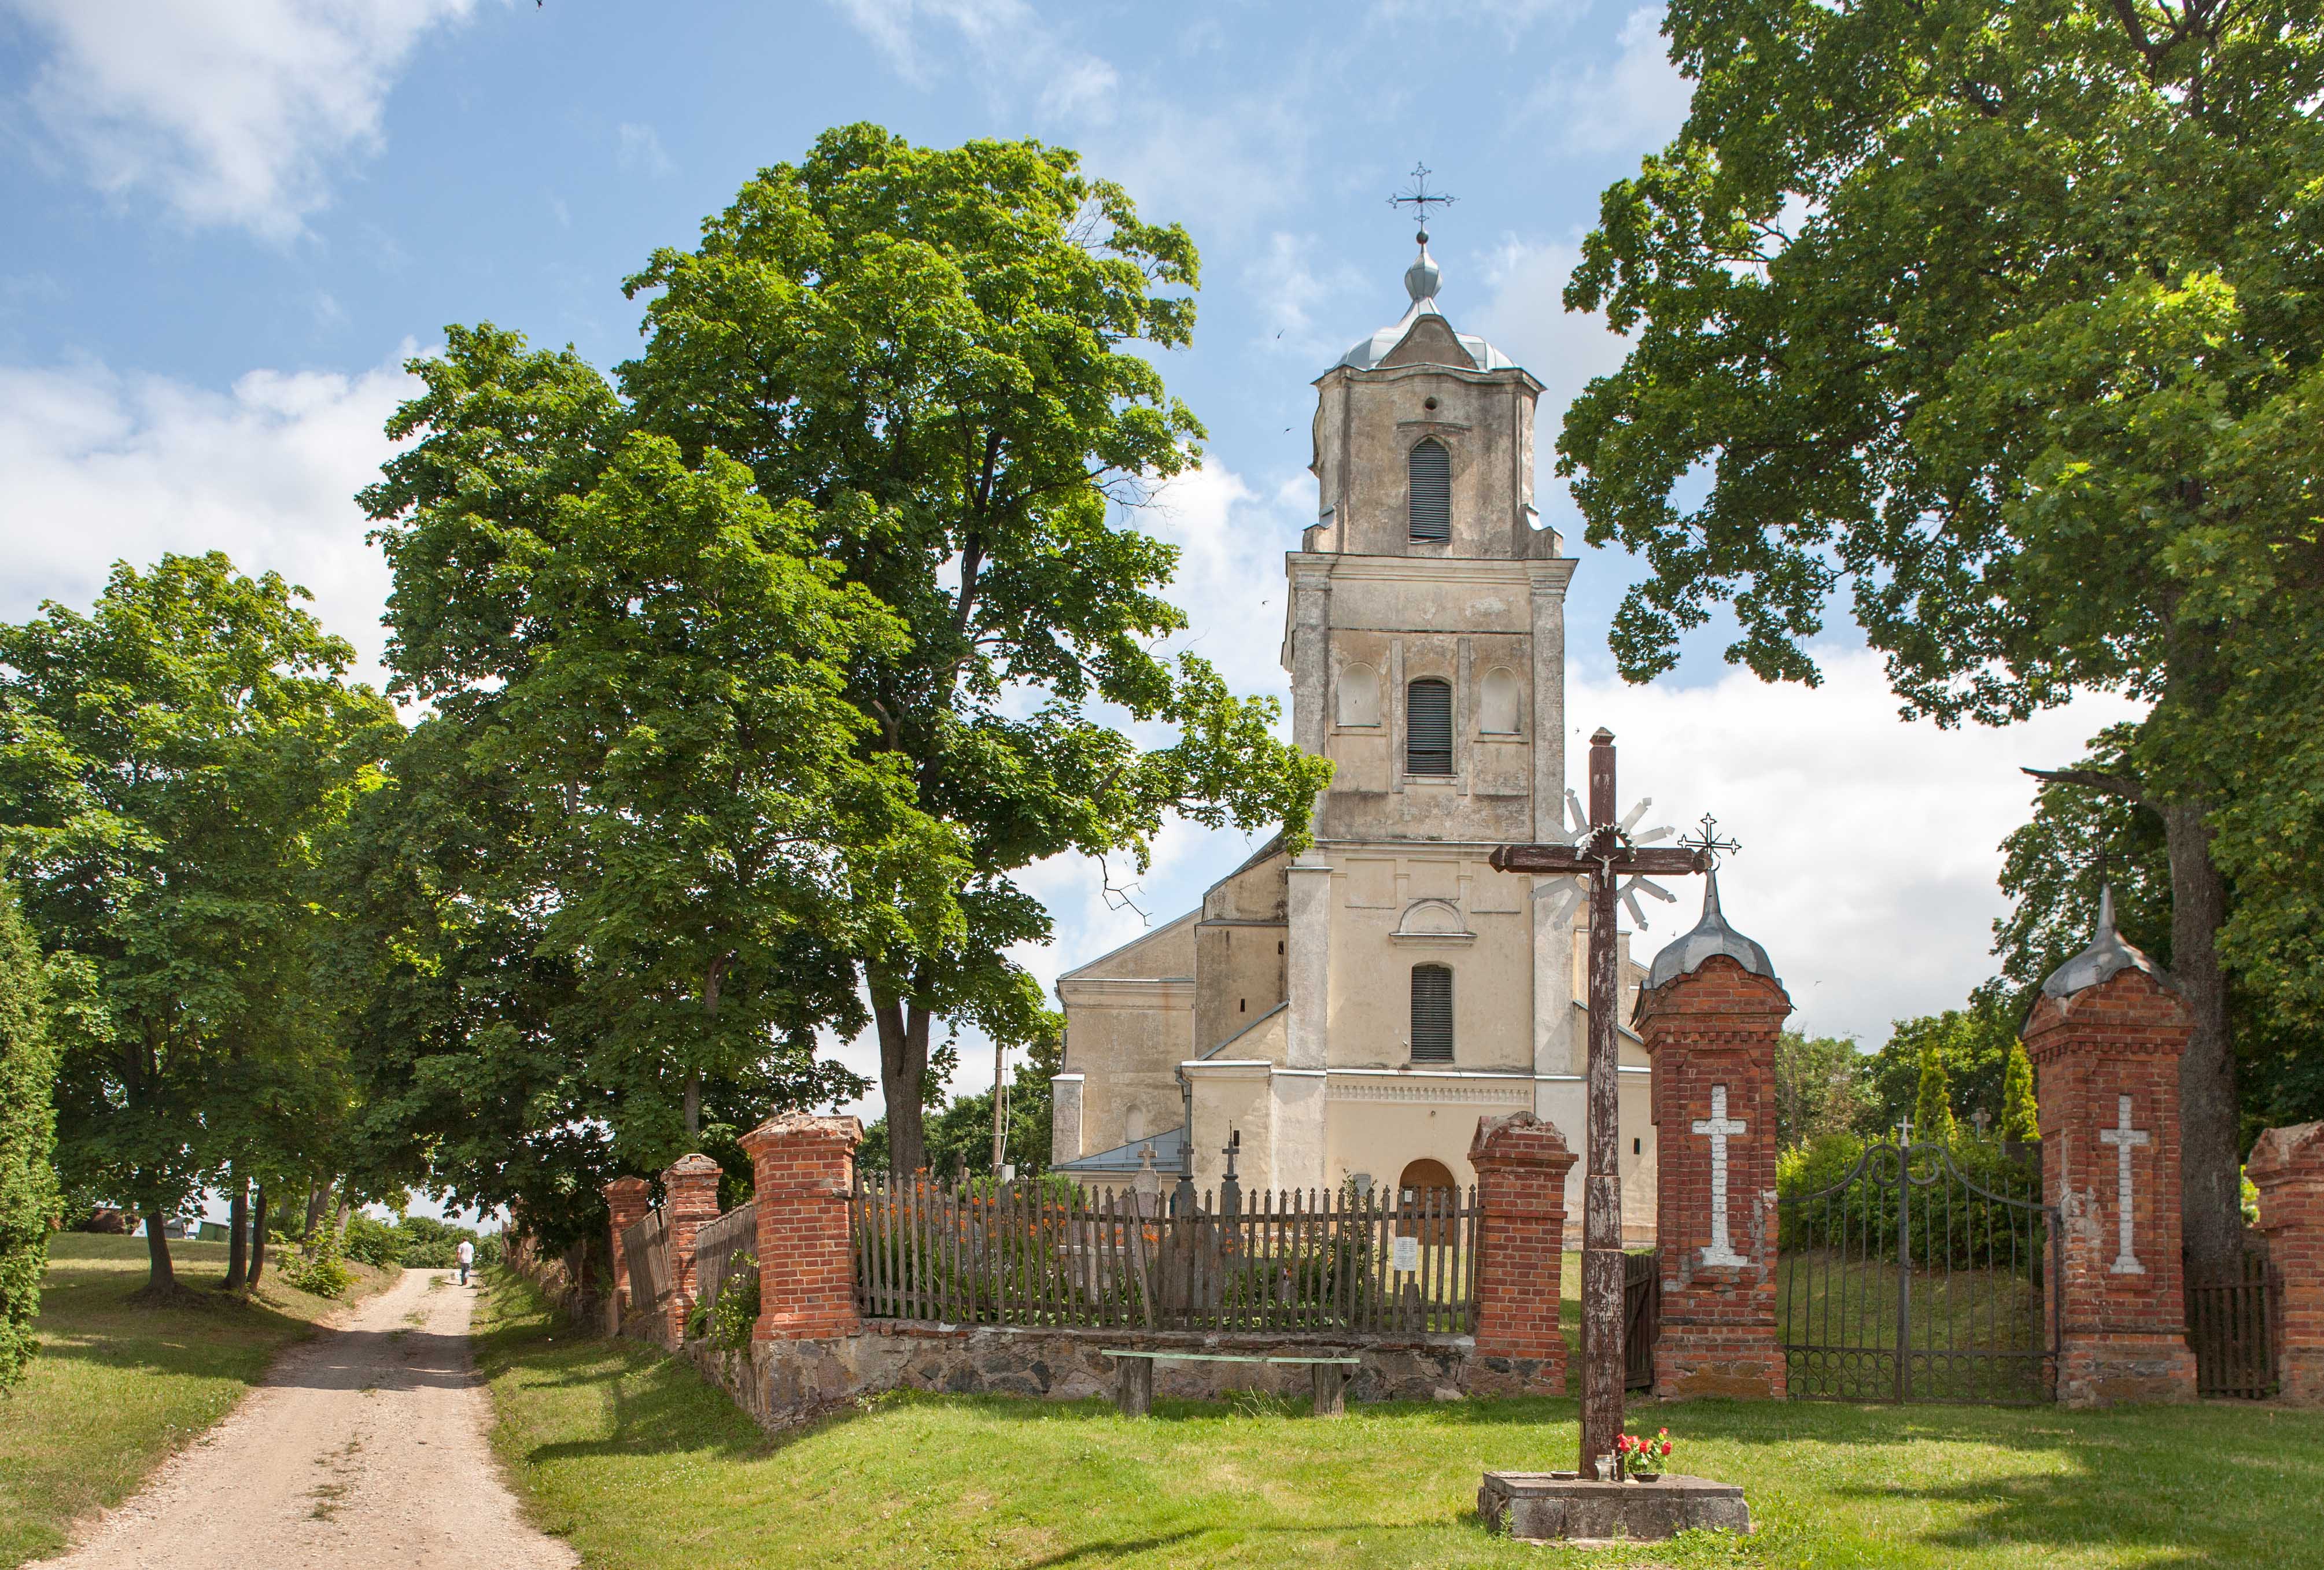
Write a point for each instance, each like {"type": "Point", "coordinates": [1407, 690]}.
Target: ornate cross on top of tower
{"type": "Point", "coordinates": [1420, 198]}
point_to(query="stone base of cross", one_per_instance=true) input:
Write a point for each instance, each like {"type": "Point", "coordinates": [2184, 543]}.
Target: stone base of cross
{"type": "Point", "coordinates": [1602, 851]}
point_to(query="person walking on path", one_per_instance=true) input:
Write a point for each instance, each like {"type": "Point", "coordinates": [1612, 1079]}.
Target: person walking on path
{"type": "Point", "coordinates": [467, 1258]}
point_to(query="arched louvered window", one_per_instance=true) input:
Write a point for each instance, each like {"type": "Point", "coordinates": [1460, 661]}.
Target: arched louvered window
{"type": "Point", "coordinates": [1432, 1014]}
{"type": "Point", "coordinates": [1429, 469]}
{"type": "Point", "coordinates": [1428, 727]}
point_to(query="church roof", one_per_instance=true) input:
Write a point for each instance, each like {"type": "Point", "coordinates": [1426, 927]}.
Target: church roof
{"type": "Point", "coordinates": [1711, 936]}
{"type": "Point", "coordinates": [2108, 956]}
{"type": "Point", "coordinates": [1421, 281]}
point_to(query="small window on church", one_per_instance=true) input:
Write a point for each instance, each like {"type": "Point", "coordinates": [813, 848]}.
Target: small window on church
{"type": "Point", "coordinates": [1432, 1014]}
{"type": "Point", "coordinates": [1429, 469]}
{"type": "Point", "coordinates": [1428, 727]}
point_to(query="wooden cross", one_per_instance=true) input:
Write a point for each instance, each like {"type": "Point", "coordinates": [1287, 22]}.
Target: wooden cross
{"type": "Point", "coordinates": [1603, 851]}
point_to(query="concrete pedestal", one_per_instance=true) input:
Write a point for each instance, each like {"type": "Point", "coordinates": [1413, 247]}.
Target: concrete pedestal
{"type": "Point", "coordinates": [1550, 1506]}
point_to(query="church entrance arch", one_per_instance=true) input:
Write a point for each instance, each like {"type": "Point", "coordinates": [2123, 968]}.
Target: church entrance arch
{"type": "Point", "coordinates": [1426, 1200]}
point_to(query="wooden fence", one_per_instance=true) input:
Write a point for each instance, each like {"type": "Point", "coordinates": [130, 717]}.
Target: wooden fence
{"type": "Point", "coordinates": [716, 1245]}
{"type": "Point", "coordinates": [1642, 1309]}
{"type": "Point", "coordinates": [2231, 1324]}
{"type": "Point", "coordinates": [646, 1246]}
{"type": "Point", "coordinates": [1040, 1254]}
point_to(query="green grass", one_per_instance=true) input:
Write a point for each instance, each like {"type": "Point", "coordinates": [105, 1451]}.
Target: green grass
{"type": "Point", "coordinates": [118, 1385]}
{"type": "Point", "coordinates": [640, 1464]}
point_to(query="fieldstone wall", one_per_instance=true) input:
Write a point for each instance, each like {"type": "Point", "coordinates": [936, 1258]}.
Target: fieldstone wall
{"type": "Point", "coordinates": [783, 1381]}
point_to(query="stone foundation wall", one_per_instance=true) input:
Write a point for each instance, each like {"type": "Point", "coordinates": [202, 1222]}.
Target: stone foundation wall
{"type": "Point", "coordinates": [784, 1382]}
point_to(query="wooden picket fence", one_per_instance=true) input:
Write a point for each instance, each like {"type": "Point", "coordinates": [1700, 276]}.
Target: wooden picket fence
{"type": "Point", "coordinates": [646, 1246]}
{"type": "Point", "coordinates": [716, 1245]}
{"type": "Point", "coordinates": [2231, 1324]}
{"type": "Point", "coordinates": [1037, 1253]}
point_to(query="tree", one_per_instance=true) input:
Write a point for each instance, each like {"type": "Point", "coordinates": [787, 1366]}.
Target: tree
{"type": "Point", "coordinates": [1969, 1048]}
{"type": "Point", "coordinates": [28, 1130]}
{"type": "Point", "coordinates": [926, 358]}
{"type": "Point", "coordinates": [167, 765]}
{"type": "Point", "coordinates": [2005, 314]}
{"type": "Point", "coordinates": [2021, 1120]}
{"type": "Point", "coordinates": [1933, 1100]}
{"type": "Point", "coordinates": [1819, 1087]}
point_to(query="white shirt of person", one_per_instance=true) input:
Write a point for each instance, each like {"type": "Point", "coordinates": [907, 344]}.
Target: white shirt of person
{"type": "Point", "coordinates": [468, 1251]}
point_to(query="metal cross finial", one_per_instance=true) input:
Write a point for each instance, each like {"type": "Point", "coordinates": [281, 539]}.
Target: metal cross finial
{"type": "Point", "coordinates": [1707, 840]}
{"type": "Point", "coordinates": [1233, 1149]}
{"type": "Point", "coordinates": [1420, 198]}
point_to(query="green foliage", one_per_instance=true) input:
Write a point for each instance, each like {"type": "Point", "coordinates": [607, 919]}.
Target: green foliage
{"type": "Point", "coordinates": [28, 1187]}
{"type": "Point", "coordinates": [1948, 1221]}
{"type": "Point", "coordinates": [1819, 1087]}
{"type": "Point", "coordinates": [424, 1243]}
{"type": "Point", "coordinates": [1970, 1047]}
{"type": "Point", "coordinates": [1932, 1101]}
{"type": "Point", "coordinates": [2002, 317]}
{"type": "Point", "coordinates": [959, 1137]}
{"type": "Point", "coordinates": [318, 1267]}
{"type": "Point", "coordinates": [2020, 1118]}
{"type": "Point", "coordinates": [729, 1320]}
{"type": "Point", "coordinates": [373, 1243]}
{"type": "Point", "coordinates": [168, 766]}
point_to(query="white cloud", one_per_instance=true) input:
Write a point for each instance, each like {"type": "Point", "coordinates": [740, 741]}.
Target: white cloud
{"type": "Point", "coordinates": [1870, 845]}
{"type": "Point", "coordinates": [104, 467]}
{"type": "Point", "coordinates": [637, 148]}
{"type": "Point", "coordinates": [231, 113]}
{"type": "Point", "coordinates": [1288, 286]}
{"type": "Point", "coordinates": [1230, 580]}
{"type": "Point", "coordinates": [1007, 40]}
{"type": "Point", "coordinates": [1635, 103]}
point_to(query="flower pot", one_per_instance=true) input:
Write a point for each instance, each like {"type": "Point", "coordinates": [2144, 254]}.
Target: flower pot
{"type": "Point", "coordinates": [1644, 1476]}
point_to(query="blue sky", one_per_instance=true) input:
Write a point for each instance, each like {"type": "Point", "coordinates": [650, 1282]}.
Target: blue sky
{"type": "Point", "coordinates": [229, 224]}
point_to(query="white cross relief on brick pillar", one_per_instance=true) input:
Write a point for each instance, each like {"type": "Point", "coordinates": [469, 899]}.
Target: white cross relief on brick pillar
{"type": "Point", "coordinates": [1718, 1125]}
{"type": "Point", "coordinates": [2125, 1140]}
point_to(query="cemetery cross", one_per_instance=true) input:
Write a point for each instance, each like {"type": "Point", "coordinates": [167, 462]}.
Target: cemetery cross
{"type": "Point", "coordinates": [1603, 852]}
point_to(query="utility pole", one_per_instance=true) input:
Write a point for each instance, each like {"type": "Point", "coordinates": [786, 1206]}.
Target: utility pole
{"type": "Point", "coordinates": [1000, 1110]}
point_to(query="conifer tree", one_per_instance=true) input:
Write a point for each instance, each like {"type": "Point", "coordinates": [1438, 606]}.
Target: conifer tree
{"type": "Point", "coordinates": [2018, 1121]}
{"type": "Point", "coordinates": [1933, 1108]}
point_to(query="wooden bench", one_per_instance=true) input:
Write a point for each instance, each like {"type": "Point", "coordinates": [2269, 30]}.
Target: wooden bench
{"type": "Point", "coordinates": [1134, 1389]}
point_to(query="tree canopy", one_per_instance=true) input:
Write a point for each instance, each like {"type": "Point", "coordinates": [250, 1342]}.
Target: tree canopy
{"type": "Point", "coordinates": [926, 365]}
{"type": "Point", "coordinates": [2004, 316]}
{"type": "Point", "coordinates": [28, 1137]}
{"type": "Point", "coordinates": [170, 767]}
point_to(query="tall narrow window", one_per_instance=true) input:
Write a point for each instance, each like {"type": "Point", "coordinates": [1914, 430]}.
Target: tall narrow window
{"type": "Point", "coordinates": [1432, 1014]}
{"type": "Point", "coordinates": [1429, 469]}
{"type": "Point", "coordinates": [1428, 727]}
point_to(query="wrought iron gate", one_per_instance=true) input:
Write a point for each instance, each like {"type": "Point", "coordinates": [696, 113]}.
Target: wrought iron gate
{"type": "Point", "coordinates": [1911, 1280]}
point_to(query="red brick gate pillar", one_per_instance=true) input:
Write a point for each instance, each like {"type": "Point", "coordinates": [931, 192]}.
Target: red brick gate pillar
{"type": "Point", "coordinates": [1710, 1012]}
{"type": "Point", "coordinates": [2287, 1167]}
{"type": "Point", "coordinates": [1521, 1164]}
{"type": "Point", "coordinates": [690, 1188]}
{"type": "Point", "coordinates": [2105, 1036]}
{"type": "Point", "coordinates": [626, 1198]}
{"type": "Point", "coordinates": [804, 1168]}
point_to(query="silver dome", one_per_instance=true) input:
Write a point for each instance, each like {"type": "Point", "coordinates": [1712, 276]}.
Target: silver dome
{"type": "Point", "coordinates": [2107, 957]}
{"type": "Point", "coordinates": [1422, 281]}
{"type": "Point", "coordinates": [1685, 954]}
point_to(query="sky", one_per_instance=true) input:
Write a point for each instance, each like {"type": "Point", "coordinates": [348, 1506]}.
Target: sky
{"type": "Point", "coordinates": [230, 226]}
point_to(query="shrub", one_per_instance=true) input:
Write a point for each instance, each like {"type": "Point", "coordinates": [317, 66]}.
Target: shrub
{"type": "Point", "coordinates": [28, 1194]}
{"type": "Point", "coordinates": [735, 1311]}
{"type": "Point", "coordinates": [373, 1242]}
{"type": "Point", "coordinates": [318, 1268]}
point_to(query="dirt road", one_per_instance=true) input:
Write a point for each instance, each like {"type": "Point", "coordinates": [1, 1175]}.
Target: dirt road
{"type": "Point", "coordinates": [366, 1446]}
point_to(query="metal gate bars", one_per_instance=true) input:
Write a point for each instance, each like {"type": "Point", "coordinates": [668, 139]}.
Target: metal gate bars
{"type": "Point", "coordinates": [1910, 1279]}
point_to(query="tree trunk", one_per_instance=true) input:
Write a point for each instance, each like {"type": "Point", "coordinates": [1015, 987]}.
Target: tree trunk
{"type": "Point", "coordinates": [693, 1106]}
{"type": "Point", "coordinates": [237, 1232]}
{"type": "Point", "coordinates": [2210, 1116]}
{"type": "Point", "coordinates": [161, 1278]}
{"type": "Point", "coordinates": [258, 1238]}
{"type": "Point", "coordinates": [318, 1200]}
{"type": "Point", "coordinates": [903, 1073]}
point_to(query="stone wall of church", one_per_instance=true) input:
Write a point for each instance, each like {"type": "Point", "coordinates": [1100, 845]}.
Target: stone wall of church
{"type": "Point", "coordinates": [1366, 421]}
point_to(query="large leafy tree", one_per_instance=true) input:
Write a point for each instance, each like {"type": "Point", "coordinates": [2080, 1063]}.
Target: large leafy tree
{"type": "Point", "coordinates": [28, 1137]}
{"type": "Point", "coordinates": [2005, 314]}
{"type": "Point", "coordinates": [929, 359]}
{"type": "Point", "coordinates": [169, 764]}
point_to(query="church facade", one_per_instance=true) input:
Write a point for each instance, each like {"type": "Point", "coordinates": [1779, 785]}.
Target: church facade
{"type": "Point", "coordinates": [1346, 1015]}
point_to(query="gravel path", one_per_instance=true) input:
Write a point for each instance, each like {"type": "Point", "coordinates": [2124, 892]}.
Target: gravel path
{"type": "Point", "coordinates": [364, 1447]}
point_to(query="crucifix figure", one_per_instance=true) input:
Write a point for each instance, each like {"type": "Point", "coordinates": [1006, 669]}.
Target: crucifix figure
{"type": "Point", "coordinates": [1602, 851]}
{"type": "Point", "coordinates": [1718, 1126]}
{"type": "Point", "coordinates": [2125, 1140]}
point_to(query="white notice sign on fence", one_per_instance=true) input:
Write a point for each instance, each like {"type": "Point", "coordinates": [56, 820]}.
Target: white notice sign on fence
{"type": "Point", "coordinates": [1406, 1254]}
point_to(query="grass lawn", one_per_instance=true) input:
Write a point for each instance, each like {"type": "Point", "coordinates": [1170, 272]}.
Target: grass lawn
{"type": "Point", "coordinates": [118, 1385]}
{"type": "Point", "coordinates": [638, 1463]}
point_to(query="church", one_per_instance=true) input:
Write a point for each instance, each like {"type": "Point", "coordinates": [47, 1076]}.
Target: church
{"type": "Point", "coordinates": [1346, 1015]}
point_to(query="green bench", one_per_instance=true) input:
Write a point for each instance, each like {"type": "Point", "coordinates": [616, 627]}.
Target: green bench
{"type": "Point", "coordinates": [1133, 1387]}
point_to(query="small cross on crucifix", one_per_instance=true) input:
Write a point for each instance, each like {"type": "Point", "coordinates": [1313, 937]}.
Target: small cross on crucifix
{"type": "Point", "coordinates": [1603, 852]}
{"type": "Point", "coordinates": [2125, 1140]}
{"type": "Point", "coordinates": [1720, 1127]}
